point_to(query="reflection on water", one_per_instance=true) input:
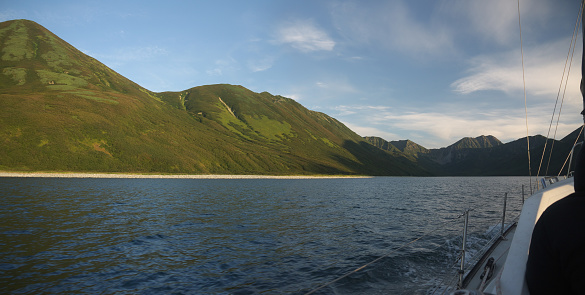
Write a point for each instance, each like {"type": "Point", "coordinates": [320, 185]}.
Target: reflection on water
{"type": "Point", "coordinates": [240, 236]}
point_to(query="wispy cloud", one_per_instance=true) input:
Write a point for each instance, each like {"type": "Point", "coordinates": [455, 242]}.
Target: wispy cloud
{"type": "Point", "coordinates": [140, 53]}
{"type": "Point", "coordinates": [344, 110]}
{"type": "Point", "coordinates": [222, 66]}
{"type": "Point", "coordinates": [490, 21]}
{"type": "Point", "coordinates": [259, 65]}
{"type": "Point", "coordinates": [130, 54]}
{"type": "Point", "coordinates": [336, 85]}
{"type": "Point", "coordinates": [447, 124]}
{"type": "Point", "coordinates": [6, 15]}
{"type": "Point", "coordinates": [392, 25]}
{"type": "Point", "coordinates": [371, 131]}
{"type": "Point", "coordinates": [305, 36]}
{"type": "Point", "coordinates": [448, 128]}
{"type": "Point", "coordinates": [443, 28]}
{"type": "Point", "coordinates": [503, 72]}
{"type": "Point", "coordinates": [497, 20]}
{"type": "Point", "coordinates": [491, 73]}
{"type": "Point", "coordinates": [294, 96]}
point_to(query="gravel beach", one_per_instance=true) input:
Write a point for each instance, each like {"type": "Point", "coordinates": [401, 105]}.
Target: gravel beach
{"type": "Point", "coordinates": [170, 176]}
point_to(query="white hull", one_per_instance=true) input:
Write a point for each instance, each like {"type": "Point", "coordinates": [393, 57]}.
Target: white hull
{"type": "Point", "coordinates": [511, 253]}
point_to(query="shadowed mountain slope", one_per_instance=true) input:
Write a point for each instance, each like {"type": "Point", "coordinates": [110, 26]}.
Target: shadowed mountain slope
{"type": "Point", "coordinates": [487, 156]}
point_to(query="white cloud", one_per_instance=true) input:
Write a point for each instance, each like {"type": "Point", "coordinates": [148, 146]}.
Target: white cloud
{"type": "Point", "coordinates": [391, 25]}
{"type": "Point", "coordinates": [214, 72]}
{"type": "Point", "coordinates": [492, 21]}
{"type": "Point", "coordinates": [222, 66]}
{"type": "Point", "coordinates": [497, 20]}
{"type": "Point", "coordinates": [442, 28]}
{"type": "Point", "coordinates": [447, 124]}
{"type": "Point", "coordinates": [491, 73]}
{"type": "Point", "coordinates": [132, 54]}
{"type": "Point", "coordinates": [503, 72]}
{"type": "Point", "coordinates": [141, 53]}
{"type": "Point", "coordinates": [449, 128]}
{"type": "Point", "coordinates": [344, 110]}
{"type": "Point", "coordinates": [10, 14]}
{"type": "Point", "coordinates": [371, 131]}
{"type": "Point", "coordinates": [259, 65]}
{"type": "Point", "coordinates": [303, 35]}
{"type": "Point", "coordinates": [293, 96]}
{"type": "Point", "coordinates": [336, 86]}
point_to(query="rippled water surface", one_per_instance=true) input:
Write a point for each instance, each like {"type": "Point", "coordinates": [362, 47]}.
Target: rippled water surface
{"type": "Point", "coordinates": [242, 236]}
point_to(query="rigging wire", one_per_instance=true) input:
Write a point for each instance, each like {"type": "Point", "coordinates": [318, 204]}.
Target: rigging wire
{"type": "Point", "coordinates": [525, 103]}
{"type": "Point", "coordinates": [570, 53]}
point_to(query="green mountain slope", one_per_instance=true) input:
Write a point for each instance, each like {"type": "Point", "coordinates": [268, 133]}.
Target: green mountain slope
{"type": "Point", "coordinates": [61, 110]}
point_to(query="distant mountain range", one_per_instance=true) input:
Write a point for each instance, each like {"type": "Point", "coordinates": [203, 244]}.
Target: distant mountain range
{"type": "Point", "coordinates": [487, 156]}
{"type": "Point", "coordinates": [61, 110]}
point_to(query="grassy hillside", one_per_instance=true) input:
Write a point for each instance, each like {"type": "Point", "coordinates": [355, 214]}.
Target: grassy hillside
{"type": "Point", "coordinates": [61, 110]}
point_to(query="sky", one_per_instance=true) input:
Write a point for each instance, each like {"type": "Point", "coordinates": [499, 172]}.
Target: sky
{"type": "Point", "coordinates": [432, 71]}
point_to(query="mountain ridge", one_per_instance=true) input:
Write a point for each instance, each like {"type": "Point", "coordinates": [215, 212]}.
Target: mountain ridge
{"type": "Point", "coordinates": [65, 111]}
{"type": "Point", "coordinates": [488, 156]}
{"type": "Point", "coordinates": [62, 110]}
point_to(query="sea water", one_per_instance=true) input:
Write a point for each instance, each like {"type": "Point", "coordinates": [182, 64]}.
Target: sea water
{"type": "Point", "coordinates": [242, 236]}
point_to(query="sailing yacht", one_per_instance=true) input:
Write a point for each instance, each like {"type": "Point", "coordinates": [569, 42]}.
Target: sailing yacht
{"type": "Point", "coordinates": [502, 269]}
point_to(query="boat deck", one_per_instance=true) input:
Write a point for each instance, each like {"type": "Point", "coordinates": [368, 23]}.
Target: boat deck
{"type": "Point", "coordinates": [499, 251]}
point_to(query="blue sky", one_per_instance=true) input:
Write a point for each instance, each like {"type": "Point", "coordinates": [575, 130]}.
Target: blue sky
{"type": "Point", "coordinates": [432, 71]}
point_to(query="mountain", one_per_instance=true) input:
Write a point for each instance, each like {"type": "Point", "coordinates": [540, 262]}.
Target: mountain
{"type": "Point", "coordinates": [409, 147]}
{"type": "Point", "coordinates": [381, 143]}
{"type": "Point", "coordinates": [461, 149]}
{"type": "Point", "coordinates": [487, 156]}
{"type": "Point", "coordinates": [478, 142]}
{"type": "Point", "coordinates": [61, 110]}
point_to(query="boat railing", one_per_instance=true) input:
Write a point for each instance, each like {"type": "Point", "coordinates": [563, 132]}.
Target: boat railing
{"type": "Point", "coordinates": [548, 180]}
{"type": "Point", "coordinates": [476, 263]}
{"type": "Point", "coordinates": [456, 278]}
{"type": "Point", "coordinates": [467, 269]}
{"type": "Point", "coordinates": [569, 172]}
{"type": "Point", "coordinates": [545, 181]}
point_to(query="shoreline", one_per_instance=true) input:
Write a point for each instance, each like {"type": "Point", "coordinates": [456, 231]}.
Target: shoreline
{"type": "Point", "coordinates": [164, 176]}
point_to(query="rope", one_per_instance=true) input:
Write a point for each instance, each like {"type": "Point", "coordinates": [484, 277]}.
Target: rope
{"type": "Point", "coordinates": [525, 103]}
{"type": "Point", "coordinates": [381, 257]}
{"type": "Point", "coordinates": [570, 53]}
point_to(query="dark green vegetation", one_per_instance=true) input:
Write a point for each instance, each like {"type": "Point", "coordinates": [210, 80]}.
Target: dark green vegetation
{"type": "Point", "coordinates": [62, 110]}
{"type": "Point", "coordinates": [487, 156]}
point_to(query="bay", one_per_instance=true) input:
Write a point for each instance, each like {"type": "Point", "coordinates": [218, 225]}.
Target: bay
{"type": "Point", "coordinates": [242, 236]}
